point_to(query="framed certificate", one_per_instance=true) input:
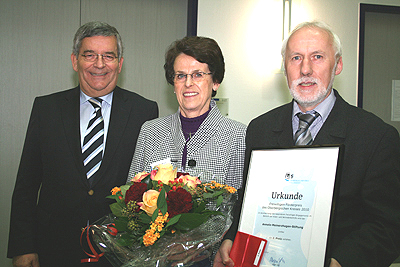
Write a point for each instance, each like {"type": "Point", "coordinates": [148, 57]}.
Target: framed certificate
{"type": "Point", "coordinates": [289, 201]}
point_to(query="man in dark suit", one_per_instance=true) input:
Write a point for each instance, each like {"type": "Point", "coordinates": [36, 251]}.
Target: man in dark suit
{"type": "Point", "coordinates": [367, 220]}
{"type": "Point", "coordinates": [55, 194]}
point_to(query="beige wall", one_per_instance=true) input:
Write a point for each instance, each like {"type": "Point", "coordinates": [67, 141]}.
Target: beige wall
{"type": "Point", "coordinates": [36, 44]}
{"type": "Point", "coordinates": [249, 35]}
{"type": "Point", "coordinates": [250, 41]}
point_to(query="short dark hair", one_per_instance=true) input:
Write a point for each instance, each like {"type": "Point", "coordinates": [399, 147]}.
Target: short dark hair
{"type": "Point", "coordinates": [96, 28]}
{"type": "Point", "coordinates": [203, 49]}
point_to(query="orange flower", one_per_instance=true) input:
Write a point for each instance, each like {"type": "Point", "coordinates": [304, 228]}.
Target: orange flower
{"type": "Point", "coordinates": [115, 190]}
{"type": "Point", "coordinates": [156, 227]}
{"type": "Point", "coordinates": [215, 185]}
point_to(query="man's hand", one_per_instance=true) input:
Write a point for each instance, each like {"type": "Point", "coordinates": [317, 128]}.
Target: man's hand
{"type": "Point", "coordinates": [334, 263]}
{"type": "Point", "coordinates": [222, 257]}
{"type": "Point", "coordinates": [26, 260]}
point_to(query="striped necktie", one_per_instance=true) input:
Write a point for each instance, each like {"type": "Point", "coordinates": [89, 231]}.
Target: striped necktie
{"type": "Point", "coordinates": [303, 137]}
{"type": "Point", "coordinates": [92, 148]}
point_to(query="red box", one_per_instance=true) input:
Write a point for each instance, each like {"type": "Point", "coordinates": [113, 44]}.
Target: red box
{"type": "Point", "coordinates": [247, 250]}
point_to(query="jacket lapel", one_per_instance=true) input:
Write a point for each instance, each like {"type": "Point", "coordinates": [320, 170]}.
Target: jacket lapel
{"type": "Point", "coordinates": [176, 132]}
{"type": "Point", "coordinates": [334, 129]}
{"type": "Point", "coordinates": [120, 112]}
{"type": "Point", "coordinates": [206, 130]}
{"type": "Point", "coordinates": [70, 116]}
{"type": "Point", "coordinates": [283, 129]}
{"type": "Point", "coordinates": [332, 132]}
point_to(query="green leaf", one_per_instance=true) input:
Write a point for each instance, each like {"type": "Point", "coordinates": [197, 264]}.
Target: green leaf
{"type": "Point", "coordinates": [116, 209]}
{"type": "Point", "coordinates": [121, 224]}
{"type": "Point", "coordinates": [173, 220]}
{"type": "Point", "coordinates": [124, 188]}
{"type": "Point", "coordinates": [113, 197]}
{"type": "Point", "coordinates": [154, 216]}
{"type": "Point", "coordinates": [144, 218]}
{"type": "Point", "coordinates": [162, 232]}
{"type": "Point", "coordinates": [219, 200]}
{"type": "Point", "coordinates": [167, 187]}
{"type": "Point", "coordinates": [147, 180]}
{"type": "Point", "coordinates": [213, 194]}
{"type": "Point", "coordinates": [162, 202]}
{"type": "Point", "coordinates": [208, 195]}
{"type": "Point", "coordinates": [154, 183]}
{"type": "Point", "coordinates": [189, 221]}
{"type": "Point", "coordinates": [197, 208]}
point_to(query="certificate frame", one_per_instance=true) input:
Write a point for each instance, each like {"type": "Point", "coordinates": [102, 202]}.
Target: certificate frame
{"type": "Point", "coordinates": [291, 203]}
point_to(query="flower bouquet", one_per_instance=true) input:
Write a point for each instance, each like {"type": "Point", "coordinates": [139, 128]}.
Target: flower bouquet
{"type": "Point", "coordinates": [163, 218]}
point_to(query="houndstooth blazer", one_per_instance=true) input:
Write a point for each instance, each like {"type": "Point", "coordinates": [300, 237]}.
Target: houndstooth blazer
{"type": "Point", "coordinates": [218, 147]}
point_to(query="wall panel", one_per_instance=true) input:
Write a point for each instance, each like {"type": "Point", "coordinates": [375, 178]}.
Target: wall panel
{"type": "Point", "coordinates": [147, 28]}
{"type": "Point", "coordinates": [35, 48]}
{"type": "Point", "coordinates": [36, 45]}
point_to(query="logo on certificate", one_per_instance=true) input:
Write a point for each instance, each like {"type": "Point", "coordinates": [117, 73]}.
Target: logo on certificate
{"type": "Point", "coordinates": [298, 178]}
{"type": "Point", "coordinates": [288, 176]}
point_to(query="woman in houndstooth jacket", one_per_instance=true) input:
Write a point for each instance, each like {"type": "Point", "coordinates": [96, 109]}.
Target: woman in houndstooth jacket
{"type": "Point", "coordinates": [197, 138]}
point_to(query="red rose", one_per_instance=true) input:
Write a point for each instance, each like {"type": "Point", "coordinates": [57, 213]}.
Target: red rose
{"type": "Point", "coordinates": [135, 192]}
{"type": "Point", "coordinates": [179, 201]}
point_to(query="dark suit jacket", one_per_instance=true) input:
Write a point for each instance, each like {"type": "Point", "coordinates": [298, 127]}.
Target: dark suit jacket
{"type": "Point", "coordinates": [367, 222]}
{"type": "Point", "coordinates": [52, 163]}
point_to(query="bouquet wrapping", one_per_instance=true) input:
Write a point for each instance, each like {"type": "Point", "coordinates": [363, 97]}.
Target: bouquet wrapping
{"type": "Point", "coordinates": [163, 218]}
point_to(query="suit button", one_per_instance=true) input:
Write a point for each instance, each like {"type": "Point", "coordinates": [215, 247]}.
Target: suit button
{"type": "Point", "coordinates": [91, 192]}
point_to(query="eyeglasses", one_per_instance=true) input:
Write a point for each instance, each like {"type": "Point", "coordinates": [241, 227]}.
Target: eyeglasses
{"type": "Point", "coordinates": [92, 57]}
{"type": "Point", "coordinates": [196, 76]}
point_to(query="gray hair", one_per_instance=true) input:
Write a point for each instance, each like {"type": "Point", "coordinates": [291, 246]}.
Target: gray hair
{"type": "Point", "coordinates": [337, 45]}
{"type": "Point", "coordinates": [96, 28]}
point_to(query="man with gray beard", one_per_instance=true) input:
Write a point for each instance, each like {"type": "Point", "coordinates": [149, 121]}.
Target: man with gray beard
{"type": "Point", "coordinates": [366, 230]}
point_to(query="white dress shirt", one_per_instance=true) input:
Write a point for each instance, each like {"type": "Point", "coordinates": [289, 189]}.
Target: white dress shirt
{"type": "Point", "coordinates": [86, 110]}
{"type": "Point", "coordinates": [324, 109]}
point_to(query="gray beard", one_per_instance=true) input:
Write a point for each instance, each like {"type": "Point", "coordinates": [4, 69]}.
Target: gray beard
{"type": "Point", "coordinates": [320, 96]}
